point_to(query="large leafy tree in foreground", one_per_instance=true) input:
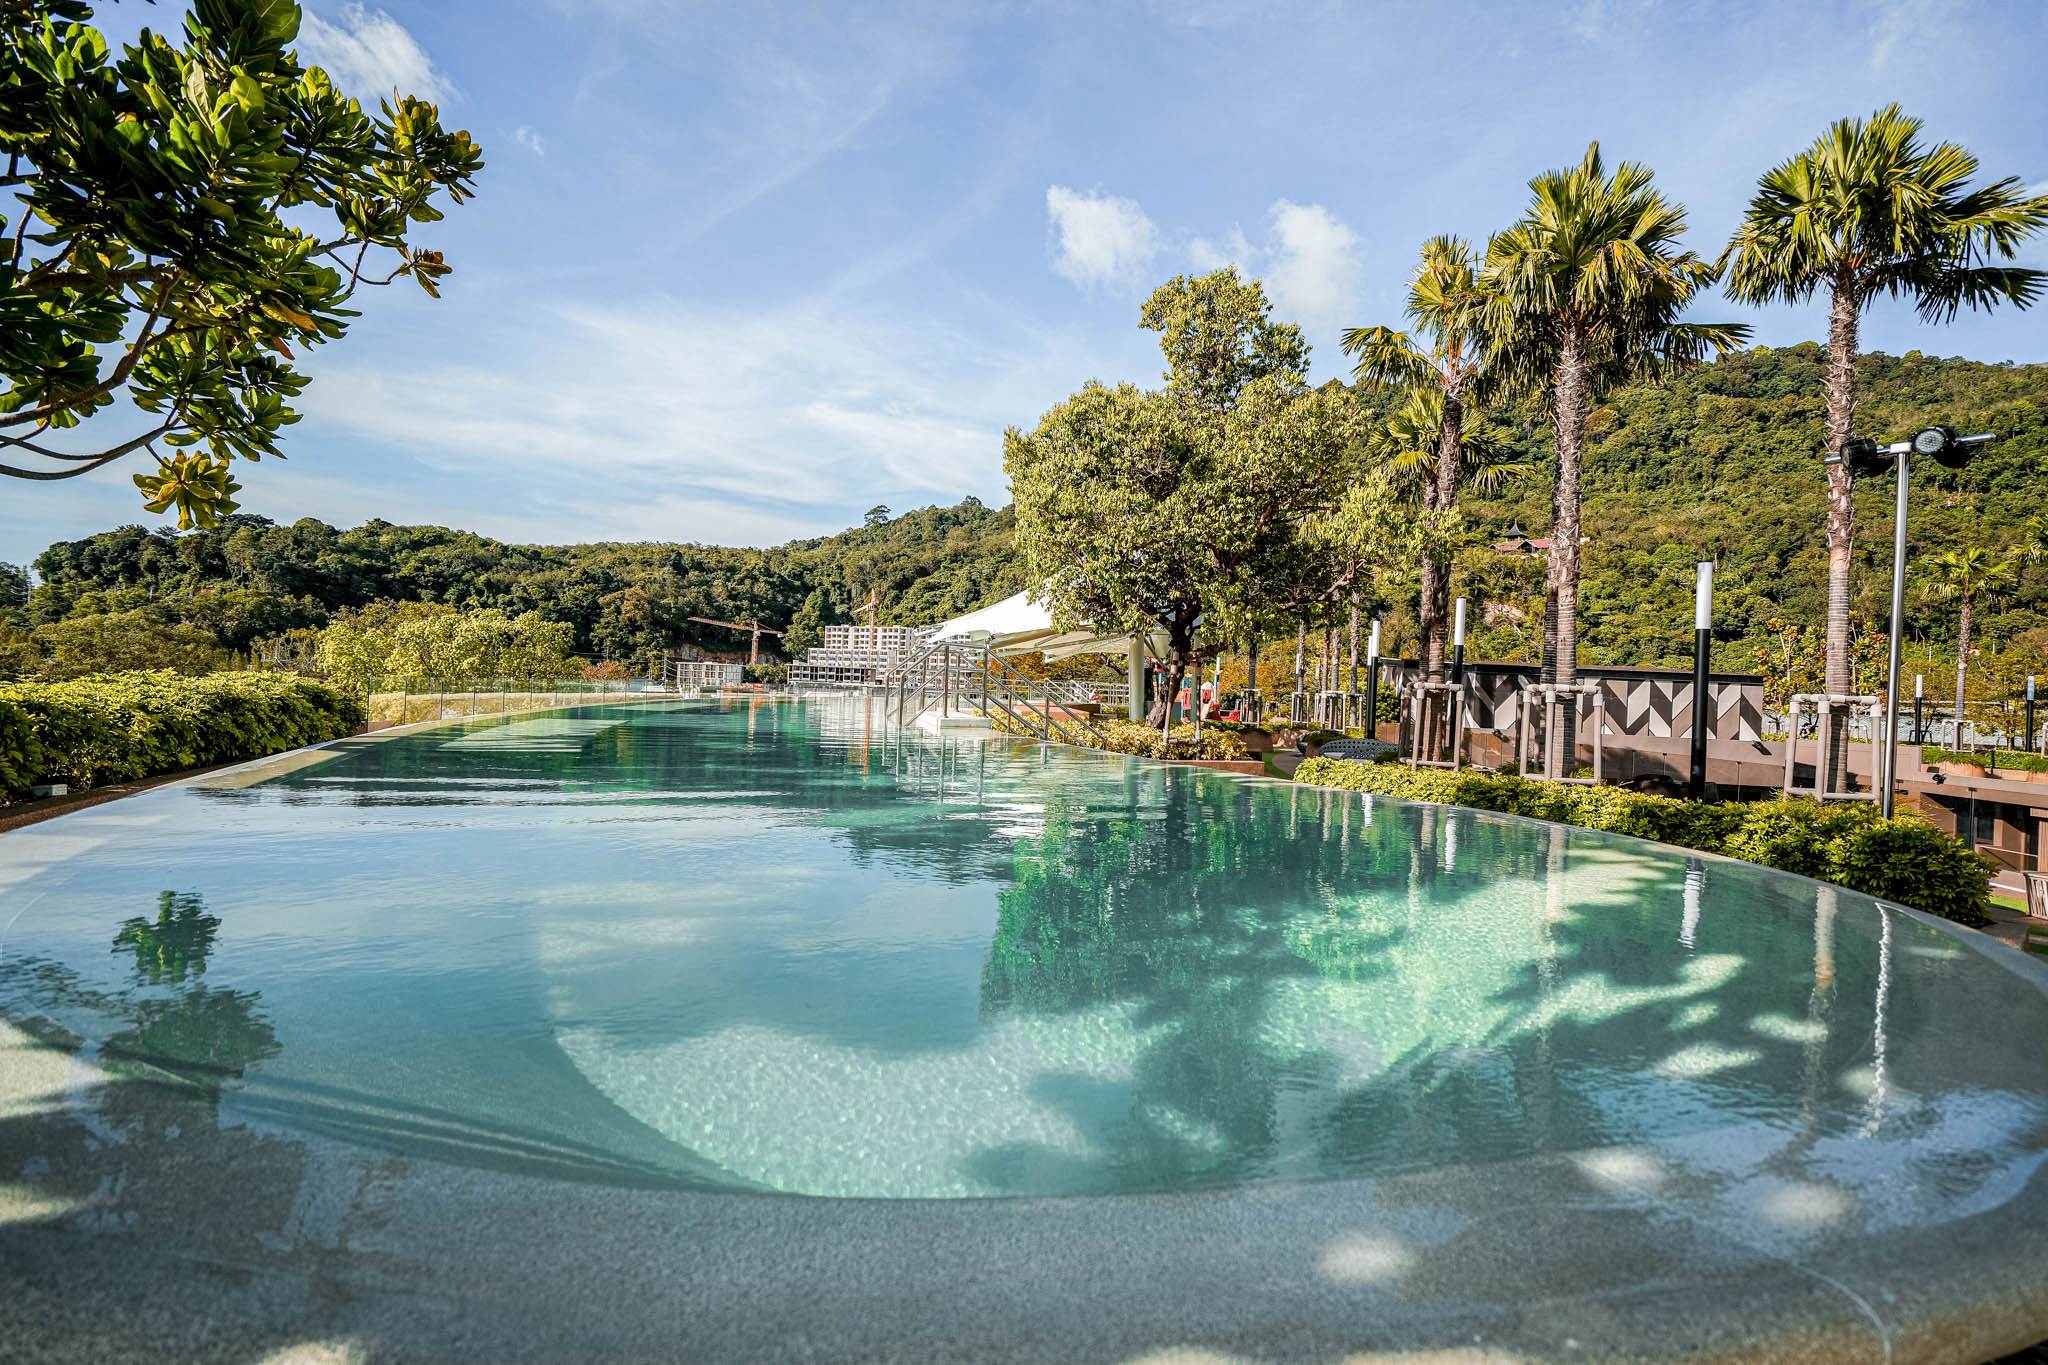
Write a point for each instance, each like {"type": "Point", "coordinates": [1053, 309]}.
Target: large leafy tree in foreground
{"type": "Point", "coordinates": [1863, 213]}
{"type": "Point", "coordinates": [1587, 290]}
{"type": "Point", "coordinates": [1443, 372]}
{"type": "Point", "coordinates": [186, 216]}
{"type": "Point", "coordinates": [1175, 511]}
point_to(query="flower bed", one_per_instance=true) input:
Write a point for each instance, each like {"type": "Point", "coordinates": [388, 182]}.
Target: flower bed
{"type": "Point", "coordinates": [118, 727]}
{"type": "Point", "coordinates": [1904, 859]}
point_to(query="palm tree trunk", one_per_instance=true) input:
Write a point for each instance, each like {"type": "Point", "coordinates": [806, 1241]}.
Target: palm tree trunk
{"type": "Point", "coordinates": [1963, 662]}
{"type": "Point", "coordinates": [1841, 419]}
{"type": "Point", "coordinates": [1572, 405]}
{"type": "Point", "coordinates": [1439, 497]}
{"type": "Point", "coordinates": [1300, 653]}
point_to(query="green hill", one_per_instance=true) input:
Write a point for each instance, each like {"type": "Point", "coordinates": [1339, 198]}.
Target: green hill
{"type": "Point", "coordinates": [1723, 463]}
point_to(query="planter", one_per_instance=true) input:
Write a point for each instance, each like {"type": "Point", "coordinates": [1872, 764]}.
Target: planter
{"type": "Point", "coordinates": [1960, 769]}
{"type": "Point", "coordinates": [1250, 767]}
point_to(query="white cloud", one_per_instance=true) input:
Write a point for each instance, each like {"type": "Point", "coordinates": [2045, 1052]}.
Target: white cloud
{"type": "Point", "coordinates": [1099, 239]}
{"type": "Point", "coordinates": [527, 138]}
{"type": "Point", "coordinates": [1309, 263]}
{"type": "Point", "coordinates": [731, 427]}
{"type": "Point", "coordinates": [370, 54]}
{"type": "Point", "coordinates": [1312, 271]}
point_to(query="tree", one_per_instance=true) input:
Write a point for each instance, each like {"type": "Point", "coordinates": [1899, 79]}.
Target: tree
{"type": "Point", "coordinates": [1442, 374]}
{"type": "Point", "coordinates": [1962, 577]}
{"type": "Point", "coordinates": [878, 515]}
{"type": "Point", "coordinates": [1587, 289]}
{"type": "Point", "coordinates": [118, 642]}
{"type": "Point", "coordinates": [1866, 212]}
{"type": "Point", "coordinates": [1174, 511]}
{"type": "Point", "coordinates": [14, 587]}
{"type": "Point", "coordinates": [188, 215]}
{"type": "Point", "coordinates": [807, 626]}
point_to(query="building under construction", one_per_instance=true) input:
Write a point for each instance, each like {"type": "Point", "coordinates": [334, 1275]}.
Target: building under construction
{"type": "Point", "coordinates": [855, 656]}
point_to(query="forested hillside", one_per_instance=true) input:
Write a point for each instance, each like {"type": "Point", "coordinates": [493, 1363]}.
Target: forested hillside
{"type": "Point", "coordinates": [249, 579]}
{"type": "Point", "coordinates": [1723, 464]}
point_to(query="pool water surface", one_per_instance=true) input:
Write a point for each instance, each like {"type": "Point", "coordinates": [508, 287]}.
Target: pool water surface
{"type": "Point", "coordinates": [783, 947]}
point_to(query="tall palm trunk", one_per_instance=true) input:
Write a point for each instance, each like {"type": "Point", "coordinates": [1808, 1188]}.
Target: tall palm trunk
{"type": "Point", "coordinates": [1438, 496]}
{"type": "Point", "coordinates": [1841, 420]}
{"type": "Point", "coordinates": [1963, 660]}
{"type": "Point", "coordinates": [1572, 405]}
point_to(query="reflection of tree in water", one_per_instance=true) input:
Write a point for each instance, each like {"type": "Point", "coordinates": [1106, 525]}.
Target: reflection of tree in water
{"type": "Point", "coordinates": [167, 1024]}
{"type": "Point", "coordinates": [1195, 913]}
{"type": "Point", "coordinates": [176, 944]}
{"type": "Point", "coordinates": [201, 1035]}
{"type": "Point", "coordinates": [1323, 993]}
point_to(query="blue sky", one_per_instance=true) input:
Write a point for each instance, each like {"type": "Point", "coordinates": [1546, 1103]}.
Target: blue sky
{"type": "Point", "coordinates": [737, 272]}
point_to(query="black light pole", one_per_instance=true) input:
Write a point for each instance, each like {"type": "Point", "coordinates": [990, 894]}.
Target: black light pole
{"type": "Point", "coordinates": [1458, 643]}
{"type": "Point", "coordinates": [1702, 704]}
{"type": "Point", "coordinates": [2030, 713]}
{"type": "Point", "coordinates": [1865, 456]}
{"type": "Point", "coordinates": [1372, 683]}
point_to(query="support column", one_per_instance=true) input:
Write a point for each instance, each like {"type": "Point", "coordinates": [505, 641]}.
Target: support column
{"type": "Point", "coordinates": [1134, 673]}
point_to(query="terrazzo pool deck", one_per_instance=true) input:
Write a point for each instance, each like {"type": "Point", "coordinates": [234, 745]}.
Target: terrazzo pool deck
{"type": "Point", "coordinates": [185, 1214]}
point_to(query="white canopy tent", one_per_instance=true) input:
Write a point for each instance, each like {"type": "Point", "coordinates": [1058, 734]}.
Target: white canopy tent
{"type": "Point", "coordinates": [1018, 625]}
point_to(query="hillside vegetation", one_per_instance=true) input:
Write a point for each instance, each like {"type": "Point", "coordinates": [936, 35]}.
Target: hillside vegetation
{"type": "Point", "coordinates": [1723, 463]}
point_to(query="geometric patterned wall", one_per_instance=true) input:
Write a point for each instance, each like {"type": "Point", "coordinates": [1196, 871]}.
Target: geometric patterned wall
{"type": "Point", "coordinates": [1651, 702]}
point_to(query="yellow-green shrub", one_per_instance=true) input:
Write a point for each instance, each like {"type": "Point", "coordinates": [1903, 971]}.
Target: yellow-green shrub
{"type": "Point", "coordinates": [117, 727]}
{"type": "Point", "coordinates": [1903, 859]}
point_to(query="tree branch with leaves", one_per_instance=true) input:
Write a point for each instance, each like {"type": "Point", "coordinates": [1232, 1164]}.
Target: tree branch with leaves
{"type": "Point", "coordinates": [187, 216]}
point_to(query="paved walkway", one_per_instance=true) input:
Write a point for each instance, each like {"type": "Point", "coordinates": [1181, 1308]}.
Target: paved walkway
{"type": "Point", "coordinates": [2011, 926]}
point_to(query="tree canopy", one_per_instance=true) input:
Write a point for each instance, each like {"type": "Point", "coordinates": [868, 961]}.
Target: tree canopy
{"type": "Point", "coordinates": [1178, 511]}
{"type": "Point", "coordinates": [188, 216]}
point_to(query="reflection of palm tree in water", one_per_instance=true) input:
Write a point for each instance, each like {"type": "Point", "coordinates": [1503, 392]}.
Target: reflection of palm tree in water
{"type": "Point", "coordinates": [175, 946]}
{"type": "Point", "coordinates": [199, 1035]}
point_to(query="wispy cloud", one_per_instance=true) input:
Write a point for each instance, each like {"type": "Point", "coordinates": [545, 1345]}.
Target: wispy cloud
{"type": "Point", "coordinates": [741, 426]}
{"type": "Point", "coordinates": [529, 139]}
{"type": "Point", "coordinates": [370, 54]}
{"type": "Point", "coordinates": [1097, 238]}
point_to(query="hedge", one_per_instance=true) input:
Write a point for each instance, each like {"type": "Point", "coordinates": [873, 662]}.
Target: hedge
{"type": "Point", "coordinates": [117, 727]}
{"type": "Point", "coordinates": [1905, 859]}
{"type": "Point", "coordinates": [1991, 760]}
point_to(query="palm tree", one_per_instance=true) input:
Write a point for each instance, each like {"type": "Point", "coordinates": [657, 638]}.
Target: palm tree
{"type": "Point", "coordinates": [1867, 211]}
{"type": "Point", "coordinates": [1962, 576]}
{"type": "Point", "coordinates": [1448, 370]}
{"type": "Point", "coordinates": [1587, 290]}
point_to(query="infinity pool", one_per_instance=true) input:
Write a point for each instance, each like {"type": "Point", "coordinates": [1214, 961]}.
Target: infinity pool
{"type": "Point", "coordinates": [782, 948]}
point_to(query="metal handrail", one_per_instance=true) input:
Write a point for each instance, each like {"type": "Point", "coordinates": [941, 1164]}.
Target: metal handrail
{"type": "Point", "coordinates": [945, 668]}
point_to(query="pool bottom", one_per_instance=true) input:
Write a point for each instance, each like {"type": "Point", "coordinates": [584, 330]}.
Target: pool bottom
{"type": "Point", "coordinates": [151, 1235]}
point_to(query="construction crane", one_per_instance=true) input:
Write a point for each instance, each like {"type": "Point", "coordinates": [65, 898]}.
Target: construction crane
{"type": "Point", "coordinates": [758, 630]}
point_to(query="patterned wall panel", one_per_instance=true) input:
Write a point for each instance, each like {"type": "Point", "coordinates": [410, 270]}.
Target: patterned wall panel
{"type": "Point", "coordinates": [1651, 703]}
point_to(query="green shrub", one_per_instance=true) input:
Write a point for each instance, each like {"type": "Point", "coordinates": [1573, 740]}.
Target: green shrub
{"type": "Point", "coordinates": [21, 756]}
{"type": "Point", "coordinates": [1903, 859]}
{"type": "Point", "coordinates": [118, 727]}
{"type": "Point", "coordinates": [1991, 760]}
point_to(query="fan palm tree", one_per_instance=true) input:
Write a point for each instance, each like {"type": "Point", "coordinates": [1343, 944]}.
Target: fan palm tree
{"type": "Point", "coordinates": [1408, 443]}
{"type": "Point", "coordinates": [1586, 290]}
{"type": "Point", "coordinates": [1962, 576]}
{"type": "Point", "coordinates": [1867, 211]}
{"type": "Point", "coordinates": [1445, 366]}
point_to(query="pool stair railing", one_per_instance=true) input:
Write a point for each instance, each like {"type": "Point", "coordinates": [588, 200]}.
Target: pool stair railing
{"type": "Point", "coordinates": [954, 676]}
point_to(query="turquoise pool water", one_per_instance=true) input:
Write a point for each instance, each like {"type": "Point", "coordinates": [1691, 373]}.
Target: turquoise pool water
{"type": "Point", "coordinates": [782, 947]}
